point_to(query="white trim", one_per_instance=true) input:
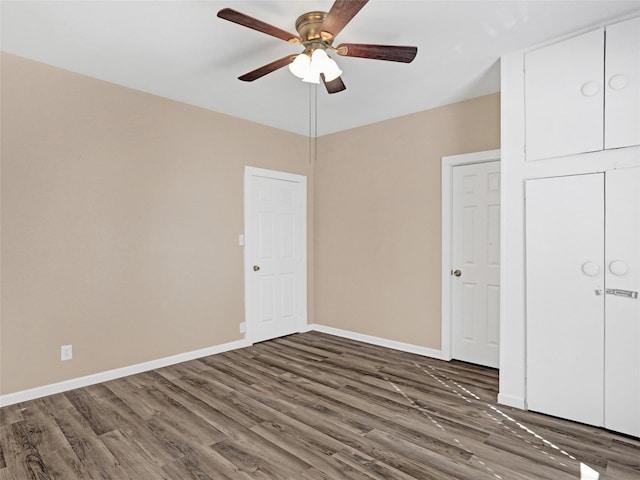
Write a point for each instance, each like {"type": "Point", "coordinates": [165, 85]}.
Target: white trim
{"type": "Point", "coordinates": [447, 191]}
{"type": "Point", "coordinates": [64, 386]}
{"type": "Point", "coordinates": [263, 172]}
{"type": "Point", "coordinates": [382, 342]}
{"type": "Point", "coordinates": [511, 401]}
{"type": "Point", "coordinates": [289, 177]}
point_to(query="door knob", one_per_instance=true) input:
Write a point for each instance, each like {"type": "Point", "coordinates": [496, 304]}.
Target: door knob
{"type": "Point", "coordinates": [457, 273]}
{"type": "Point", "coordinates": [256, 268]}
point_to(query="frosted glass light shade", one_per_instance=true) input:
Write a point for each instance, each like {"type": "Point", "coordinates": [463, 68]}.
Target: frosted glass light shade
{"type": "Point", "coordinates": [331, 70]}
{"type": "Point", "coordinates": [322, 63]}
{"type": "Point", "coordinates": [301, 65]}
{"type": "Point", "coordinates": [312, 76]}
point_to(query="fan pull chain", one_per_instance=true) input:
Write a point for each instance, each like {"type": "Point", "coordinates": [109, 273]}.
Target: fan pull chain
{"type": "Point", "coordinates": [313, 122]}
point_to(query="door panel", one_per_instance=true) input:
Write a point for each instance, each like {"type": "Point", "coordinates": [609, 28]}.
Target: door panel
{"type": "Point", "coordinates": [565, 301]}
{"type": "Point", "coordinates": [564, 97]}
{"type": "Point", "coordinates": [622, 314]}
{"type": "Point", "coordinates": [622, 84]}
{"type": "Point", "coordinates": [276, 254]}
{"type": "Point", "coordinates": [476, 253]}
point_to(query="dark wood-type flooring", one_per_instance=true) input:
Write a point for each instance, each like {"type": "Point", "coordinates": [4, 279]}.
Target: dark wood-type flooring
{"type": "Point", "coordinates": [305, 407]}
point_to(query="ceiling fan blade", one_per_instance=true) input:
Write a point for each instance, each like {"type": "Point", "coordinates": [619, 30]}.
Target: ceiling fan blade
{"type": "Point", "coordinates": [334, 86]}
{"type": "Point", "coordinates": [341, 13]}
{"type": "Point", "coordinates": [268, 68]}
{"type": "Point", "coordinates": [250, 22]}
{"type": "Point", "coordinates": [392, 53]}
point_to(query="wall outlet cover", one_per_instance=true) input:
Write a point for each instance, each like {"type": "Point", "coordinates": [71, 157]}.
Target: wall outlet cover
{"type": "Point", "coordinates": [66, 352]}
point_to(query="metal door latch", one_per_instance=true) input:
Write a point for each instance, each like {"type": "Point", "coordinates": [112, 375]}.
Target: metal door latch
{"type": "Point", "coordinates": [621, 293]}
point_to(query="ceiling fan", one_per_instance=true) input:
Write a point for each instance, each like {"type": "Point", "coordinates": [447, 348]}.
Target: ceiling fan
{"type": "Point", "coordinates": [316, 32]}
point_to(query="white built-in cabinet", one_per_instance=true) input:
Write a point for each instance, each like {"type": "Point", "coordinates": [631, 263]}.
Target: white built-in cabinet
{"type": "Point", "coordinates": [583, 310]}
{"type": "Point", "coordinates": [570, 227]}
{"type": "Point", "coordinates": [582, 94]}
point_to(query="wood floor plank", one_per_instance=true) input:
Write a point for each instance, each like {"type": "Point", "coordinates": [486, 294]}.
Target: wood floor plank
{"type": "Point", "coordinates": [91, 452]}
{"type": "Point", "coordinates": [10, 414]}
{"type": "Point", "coordinates": [22, 457]}
{"type": "Point", "coordinates": [205, 463]}
{"type": "Point", "coordinates": [309, 406]}
{"type": "Point", "coordinates": [5, 474]}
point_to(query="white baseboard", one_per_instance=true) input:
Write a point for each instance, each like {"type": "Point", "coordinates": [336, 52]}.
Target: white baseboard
{"type": "Point", "coordinates": [382, 342]}
{"type": "Point", "coordinates": [38, 392]}
{"type": "Point", "coordinates": [511, 401]}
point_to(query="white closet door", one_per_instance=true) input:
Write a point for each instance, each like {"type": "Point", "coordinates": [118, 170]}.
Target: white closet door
{"type": "Point", "coordinates": [564, 97]}
{"type": "Point", "coordinates": [565, 300]}
{"type": "Point", "coordinates": [622, 313]}
{"type": "Point", "coordinates": [622, 98]}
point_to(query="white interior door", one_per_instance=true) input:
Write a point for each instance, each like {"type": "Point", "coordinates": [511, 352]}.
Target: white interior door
{"type": "Point", "coordinates": [475, 265]}
{"type": "Point", "coordinates": [622, 311]}
{"type": "Point", "coordinates": [275, 253]}
{"type": "Point", "coordinates": [565, 296]}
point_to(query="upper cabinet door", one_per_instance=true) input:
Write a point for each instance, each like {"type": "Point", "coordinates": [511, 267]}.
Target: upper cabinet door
{"type": "Point", "coordinates": [622, 84]}
{"type": "Point", "coordinates": [564, 99]}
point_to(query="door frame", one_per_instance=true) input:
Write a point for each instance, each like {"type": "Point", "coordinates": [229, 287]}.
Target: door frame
{"type": "Point", "coordinates": [250, 172]}
{"type": "Point", "coordinates": [448, 163]}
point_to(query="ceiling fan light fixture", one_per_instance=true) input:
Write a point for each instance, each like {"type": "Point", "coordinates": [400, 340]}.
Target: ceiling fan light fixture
{"type": "Point", "coordinates": [309, 69]}
{"type": "Point", "coordinates": [324, 64]}
{"type": "Point", "coordinates": [301, 65]}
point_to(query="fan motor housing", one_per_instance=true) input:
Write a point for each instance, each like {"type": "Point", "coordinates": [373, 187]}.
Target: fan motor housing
{"type": "Point", "coordinates": [308, 27]}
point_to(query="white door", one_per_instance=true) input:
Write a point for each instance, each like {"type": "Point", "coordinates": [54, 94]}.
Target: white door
{"type": "Point", "coordinates": [275, 253]}
{"type": "Point", "coordinates": [622, 84]}
{"type": "Point", "coordinates": [475, 264]}
{"type": "Point", "coordinates": [564, 97]}
{"type": "Point", "coordinates": [622, 311]}
{"type": "Point", "coordinates": [565, 296]}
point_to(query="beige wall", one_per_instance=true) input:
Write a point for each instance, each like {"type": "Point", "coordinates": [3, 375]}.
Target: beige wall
{"type": "Point", "coordinates": [120, 220]}
{"type": "Point", "coordinates": [377, 219]}
{"type": "Point", "coordinates": [121, 213]}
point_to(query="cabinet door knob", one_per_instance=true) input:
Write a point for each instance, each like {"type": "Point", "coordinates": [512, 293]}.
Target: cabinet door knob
{"type": "Point", "coordinates": [256, 268]}
{"type": "Point", "coordinates": [590, 269]}
{"type": "Point", "coordinates": [618, 82]}
{"type": "Point", "coordinates": [590, 88]}
{"type": "Point", "coordinates": [457, 273]}
{"type": "Point", "coordinates": [618, 267]}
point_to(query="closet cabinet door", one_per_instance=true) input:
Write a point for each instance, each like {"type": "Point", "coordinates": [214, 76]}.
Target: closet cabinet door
{"type": "Point", "coordinates": [565, 296]}
{"type": "Point", "coordinates": [622, 88]}
{"type": "Point", "coordinates": [622, 313]}
{"type": "Point", "coordinates": [564, 99]}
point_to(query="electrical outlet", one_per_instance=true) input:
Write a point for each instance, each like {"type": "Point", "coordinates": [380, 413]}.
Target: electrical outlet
{"type": "Point", "coordinates": [66, 352]}
{"type": "Point", "coordinates": [243, 327]}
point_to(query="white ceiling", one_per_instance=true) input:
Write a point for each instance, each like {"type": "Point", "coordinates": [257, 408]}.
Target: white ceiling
{"type": "Point", "coordinates": [181, 50]}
